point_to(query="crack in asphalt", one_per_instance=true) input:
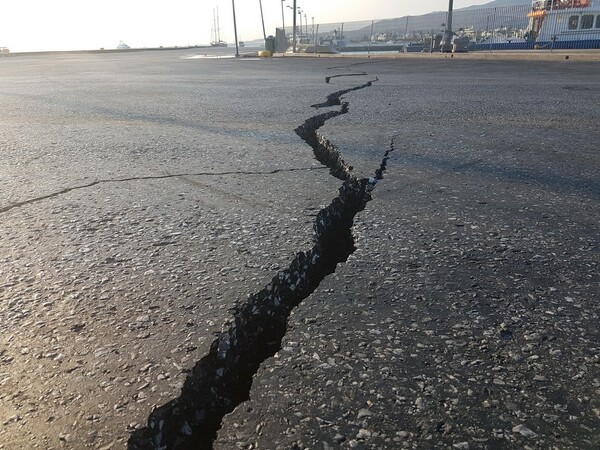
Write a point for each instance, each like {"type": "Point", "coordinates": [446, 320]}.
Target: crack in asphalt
{"type": "Point", "coordinates": [149, 177]}
{"type": "Point", "coordinates": [222, 379]}
{"type": "Point", "coordinates": [359, 74]}
{"type": "Point", "coordinates": [335, 99]}
{"type": "Point", "coordinates": [386, 157]}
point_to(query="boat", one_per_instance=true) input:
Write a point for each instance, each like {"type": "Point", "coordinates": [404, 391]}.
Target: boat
{"type": "Point", "coordinates": [416, 47]}
{"type": "Point", "coordinates": [216, 32]}
{"type": "Point", "coordinates": [123, 46]}
{"type": "Point", "coordinates": [554, 24]}
{"type": "Point", "coordinates": [565, 24]}
{"type": "Point", "coordinates": [325, 48]}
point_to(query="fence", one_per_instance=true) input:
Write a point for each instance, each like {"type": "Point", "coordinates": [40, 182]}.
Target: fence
{"type": "Point", "coordinates": [550, 25]}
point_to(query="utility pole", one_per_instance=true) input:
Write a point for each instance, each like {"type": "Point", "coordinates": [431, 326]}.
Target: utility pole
{"type": "Point", "coordinates": [446, 46]}
{"type": "Point", "coordinates": [294, 47]}
{"type": "Point", "coordinates": [237, 49]}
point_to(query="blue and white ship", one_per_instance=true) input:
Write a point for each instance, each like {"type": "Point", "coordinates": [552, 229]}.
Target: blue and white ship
{"type": "Point", "coordinates": [554, 24]}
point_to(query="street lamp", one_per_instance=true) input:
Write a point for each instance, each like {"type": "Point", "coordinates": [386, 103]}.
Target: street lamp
{"type": "Point", "coordinates": [282, 15]}
{"type": "Point", "coordinates": [300, 15]}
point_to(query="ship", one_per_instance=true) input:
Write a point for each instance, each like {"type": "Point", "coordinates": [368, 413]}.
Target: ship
{"type": "Point", "coordinates": [554, 24]}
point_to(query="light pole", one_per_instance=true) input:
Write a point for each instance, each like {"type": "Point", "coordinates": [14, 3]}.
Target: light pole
{"type": "Point", "coordinates": [282, 15]}
{"type": "Point", "coordinates": [237, 50]}
{"type": "Point", "coordinates": [300, 15]}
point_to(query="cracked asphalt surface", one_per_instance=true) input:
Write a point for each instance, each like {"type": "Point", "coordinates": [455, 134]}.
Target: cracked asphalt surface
{"type": "Point", "coordinates": [143, 195]}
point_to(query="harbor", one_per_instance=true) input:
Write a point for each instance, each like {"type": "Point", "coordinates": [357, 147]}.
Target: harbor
{"type": "Point", "coordinates": [497, 26]}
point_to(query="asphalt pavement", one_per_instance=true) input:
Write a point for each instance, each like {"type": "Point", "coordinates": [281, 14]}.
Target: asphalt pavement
{"type": "Point", "coordinates": [147, 198]}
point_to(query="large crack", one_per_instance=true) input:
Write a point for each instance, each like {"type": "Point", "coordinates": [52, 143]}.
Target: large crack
{"type": "Point", "coordinates": [91, 184]}
{"type": "Point", "coordinates": [222, 379]}
{"type": "Point", "coordinates": [335, 99]}
{"type": "Point", "coordinates": [359, 74]}
{"type": "Point", "coordinates": [325, 152]}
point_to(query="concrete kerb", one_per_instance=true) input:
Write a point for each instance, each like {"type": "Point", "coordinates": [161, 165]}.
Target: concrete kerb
{"type": "Point", "coordinates": [537, 55]}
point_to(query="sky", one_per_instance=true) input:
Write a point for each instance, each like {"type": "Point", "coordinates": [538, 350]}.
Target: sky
{"type": "Point", "coordinates": [34, 25]}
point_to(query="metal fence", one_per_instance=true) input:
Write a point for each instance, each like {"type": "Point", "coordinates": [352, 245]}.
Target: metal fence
{"type": "Point", "coordinates": [551, 25]}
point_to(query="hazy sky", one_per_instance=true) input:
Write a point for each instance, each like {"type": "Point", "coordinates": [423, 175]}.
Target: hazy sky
{"type": "Point", "coordinates": [87, 24]}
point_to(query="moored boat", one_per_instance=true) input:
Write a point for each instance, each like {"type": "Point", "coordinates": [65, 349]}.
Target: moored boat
{"type": "Point", "coordinates": [565, 24]}
{"type": "Point", "coordinates": [325, 48]}
{"type": "Point", "coordinates": [554, 24]}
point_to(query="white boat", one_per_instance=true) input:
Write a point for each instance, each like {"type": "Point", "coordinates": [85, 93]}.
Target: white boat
{"type": "Point", "coordinates": [122, 46]}
{"type": "Point", "coordinates": [554, 24]}
{"type": "Point", "coordinates": [325, 48]}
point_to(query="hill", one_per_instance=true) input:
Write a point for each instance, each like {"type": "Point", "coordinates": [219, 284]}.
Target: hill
{"type": "Point", "coordinates": [498, 4]}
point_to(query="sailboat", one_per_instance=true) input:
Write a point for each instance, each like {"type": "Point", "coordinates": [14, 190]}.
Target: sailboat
{"type": "Point", "coordinates": [216, 32]}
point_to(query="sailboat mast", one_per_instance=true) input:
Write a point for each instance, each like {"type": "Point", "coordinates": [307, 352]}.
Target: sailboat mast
{"type": "Point", "coordinates": [213, 34]}
{"type": "Point", "coordinates": [218, 27]}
